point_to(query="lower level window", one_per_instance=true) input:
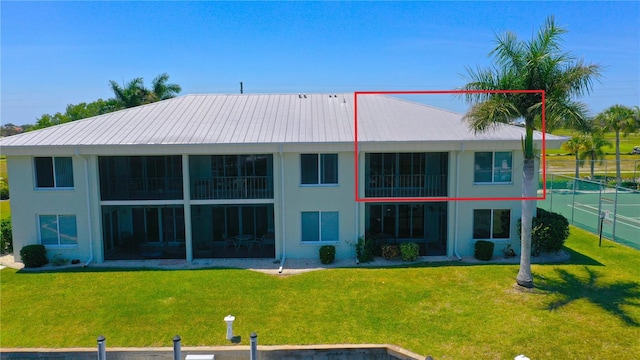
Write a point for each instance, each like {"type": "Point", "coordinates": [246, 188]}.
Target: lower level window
{"type": "Point", "coordinates": [320, 226]}
{"type": "Point", "coordinates": [58, 230]}
{"type": "Point", "coordinates": [491, 223]}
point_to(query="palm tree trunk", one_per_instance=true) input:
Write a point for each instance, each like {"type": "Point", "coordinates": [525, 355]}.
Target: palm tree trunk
{"type": "Point", "coordinates": [529, 189]}
{"type": "Point", "coordinates": [577, 166]}
{"type": "Point", "coordinates": [593, 170]}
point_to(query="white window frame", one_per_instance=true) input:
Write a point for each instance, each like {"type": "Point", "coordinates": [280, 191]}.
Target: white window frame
{"type": "Point", "coordinates": [320, 241]}
{"type": "Point", "coordinates": [59, 243]}
{"type": "Point", "coordinates": [318, 181]}
{"type": "Point", "coordinates": [55, 181]}
{"type": "Point", "coordinates": [491, 218]}
{"type": "Point", "coordinates": [493, 168]}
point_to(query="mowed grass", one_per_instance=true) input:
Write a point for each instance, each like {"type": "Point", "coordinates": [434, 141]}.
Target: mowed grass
{"type": "Point", "coordinates": [5, 209]}
{"type": "Point", "coordinates": [586, 308]}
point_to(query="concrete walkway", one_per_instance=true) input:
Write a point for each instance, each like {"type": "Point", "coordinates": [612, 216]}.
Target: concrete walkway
{"type": "Point", "coordinates": [274, 267]}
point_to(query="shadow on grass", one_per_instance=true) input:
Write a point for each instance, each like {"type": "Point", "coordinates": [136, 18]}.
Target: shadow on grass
{"type": "Point", "coordinates": [610, 297]}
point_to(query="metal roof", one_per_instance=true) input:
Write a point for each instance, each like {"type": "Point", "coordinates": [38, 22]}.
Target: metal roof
{"type": "Point", "coordinates": [265, 119]}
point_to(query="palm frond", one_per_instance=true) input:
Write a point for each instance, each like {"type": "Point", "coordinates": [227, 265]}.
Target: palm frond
{"type": "Point", "coordinates": [485, 115]}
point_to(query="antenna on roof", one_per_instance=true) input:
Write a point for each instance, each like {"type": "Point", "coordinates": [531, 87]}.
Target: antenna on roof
{"type": "Point", "coordinates": [241, 88]}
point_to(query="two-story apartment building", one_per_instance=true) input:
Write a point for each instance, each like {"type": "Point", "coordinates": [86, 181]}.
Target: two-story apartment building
{"type": "Point", "coordinates": [270, 176]}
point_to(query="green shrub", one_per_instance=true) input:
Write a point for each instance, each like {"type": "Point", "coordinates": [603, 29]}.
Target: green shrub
{"type": "Point", "coordinates": [483, 250]}
{"type": "Point", "coordinates": [549, 231]}
{"type": "Point", "coordinates": [364, 249]}
{"type": "Point", "coordinates": [34, 256]}
{"type": "Point", "coordinates": [58, 260]}
{"type": "Point", "coordinates": [4, 190]}
{"type": "Point", "coordinates": [390, 251]}
{"type": "Point", "coordinates": [6, 236]}
{"type": "Point", "coordinates": [409, 251]}
{"type": "Point", "coordinates": [327, 254]}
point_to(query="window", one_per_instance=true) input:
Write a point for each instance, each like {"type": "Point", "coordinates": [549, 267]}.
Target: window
{"type": "Point", "coordinates": [58, 230]}
{"type": "Point", "coordinates": [53, 172]}
{"type": "Point", "coordinates": [493, 167]}
{"type": "Point", "coordinates": [319, 169]}
{"type": "Point", "coordinates": [491, 223]}
{"type": "Point", "coordinates": [320, 226]}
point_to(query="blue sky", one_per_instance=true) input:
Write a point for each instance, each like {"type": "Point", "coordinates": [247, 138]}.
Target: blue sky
{"type": "Point", "coordinates": [59, 53]}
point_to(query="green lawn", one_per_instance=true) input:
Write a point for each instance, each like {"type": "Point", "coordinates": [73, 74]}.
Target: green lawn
{"type": "Point", "coordinates": [626, 143]}
{"type": "Point", "coordinates": [5, 209]}
{"type": "Point", "coordinates": [587, 308]}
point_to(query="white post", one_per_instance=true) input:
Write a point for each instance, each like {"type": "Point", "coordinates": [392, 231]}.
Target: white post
{"type": "Point", "coordinates": [229, 320]}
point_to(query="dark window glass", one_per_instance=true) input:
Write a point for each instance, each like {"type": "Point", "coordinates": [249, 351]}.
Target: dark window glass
{"type": "Point", "coordinates": [44, 172]}
{"type": "Point", "coordinates": [309, 168]}
{"type": "Point", "coordinates": [329, 169]}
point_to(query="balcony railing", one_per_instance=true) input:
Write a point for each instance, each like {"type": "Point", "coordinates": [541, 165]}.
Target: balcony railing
{"type": "Point", "coordinates": [232, 187]}
{"type": "Point", "coordinates": [141, 188]}
{"type": "Point", "coordinates": [406, 186]}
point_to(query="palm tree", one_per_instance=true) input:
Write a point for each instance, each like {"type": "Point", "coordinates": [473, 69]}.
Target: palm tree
{"type": "Point", "coordinates": [538, 64]}
{"type": "Point", "coordinates": [574, 146]}
{"type": "Point", "coordinates": [619, 119]}
{"type": "Point", "coordinates": [160, 90]}
{"type": "Point", "coordinates": [592, 150]}
{"type": "Point", "coordinates": [132, 94]}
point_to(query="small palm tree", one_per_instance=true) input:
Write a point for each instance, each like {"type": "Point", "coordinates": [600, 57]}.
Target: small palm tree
{"type": "Point", "coordinates": [539, 64]}
{"type": "Point", "coordinates": [592, 150]}
{"type": "Point", "coordinates": [574, 146]}
{"type": "Point", "coordinates": [160, 90]}
{"type": "Point", "coordinates": [621, 120]}
{"type": "Point", "coordinates": [132, 94]}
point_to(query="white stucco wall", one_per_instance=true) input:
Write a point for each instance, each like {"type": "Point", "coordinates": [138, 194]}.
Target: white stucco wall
{"type": "Point", "coordinates": [299, 198]}
{"type": "Point", "coordinates": [27, 203]}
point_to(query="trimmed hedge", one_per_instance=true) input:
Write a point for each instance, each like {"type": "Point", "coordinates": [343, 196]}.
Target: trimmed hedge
{"type": "Point", "coordinates": [409, 251]}
{"type": "Point", "coordinates": [549, 231]}
{"type": "Point", "coordinates": [327, 254]}
{"type": "Point", "coordinates": [34, 256]}
{"type": "Point", "coordinates": [483, 250]}
{"type": "Point", "coordinates": [6, 236]}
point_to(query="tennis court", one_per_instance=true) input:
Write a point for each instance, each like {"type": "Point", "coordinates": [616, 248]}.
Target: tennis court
{"type": "Point", "coordinates": [582, 202]}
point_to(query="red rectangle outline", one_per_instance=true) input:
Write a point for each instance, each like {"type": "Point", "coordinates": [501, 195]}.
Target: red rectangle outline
{"type": "Point", "coordinates": [433, 199]}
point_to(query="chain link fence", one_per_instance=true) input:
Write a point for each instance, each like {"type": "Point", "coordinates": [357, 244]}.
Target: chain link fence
{"type": "Point", "coordinates": [603, 170]}
{"type": "Point", "coordinates": [592, 205]}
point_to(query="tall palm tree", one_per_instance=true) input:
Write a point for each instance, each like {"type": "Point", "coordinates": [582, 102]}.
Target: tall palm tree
{"type": "Point", "coordinates": [619, 119]}
{"type": "Point", "coordinates": [132, 94]}
{"type": "Point", "coordinates": [574, 146]}
{"type": "Point", "coordinates": [160, 90]}
{"type": "Point", "coordinates": [592, 150]}
{"type": "Point", "coordinates": [539, 64]}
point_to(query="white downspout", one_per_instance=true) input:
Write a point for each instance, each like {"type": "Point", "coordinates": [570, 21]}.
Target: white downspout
{"type": "Point", "coordinates": [86, 184]}
{"type": "Point", "coordinates": [357, 218]}
{"type": "Point", "coordinates": [455, 229]}
{"type": "Point", "coordinates": [282, 212]}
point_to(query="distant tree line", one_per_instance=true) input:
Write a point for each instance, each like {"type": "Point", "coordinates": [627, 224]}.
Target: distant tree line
{"type": "Point", "coordinates": [131, 94]}
{"type": "Point", "coordinates": [587, 145]}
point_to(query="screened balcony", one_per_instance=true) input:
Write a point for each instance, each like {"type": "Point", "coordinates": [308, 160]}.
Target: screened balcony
{"type": "Point", "coordinates": [232, 187]}
{"type": "Point", "coordinates": [140, 177]}
{"type": "Point", "coordinates": [225, 177]}
{"type": "Point", "coordinates": [406, 174]}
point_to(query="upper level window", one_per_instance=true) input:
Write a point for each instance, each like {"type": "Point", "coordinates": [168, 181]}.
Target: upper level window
{"type": "Point", "coordinates": [53, 172]}
{"type": "Point", "coordinates": [58, 230]}
{"type": "Point", "coordinates": [491, 223]}
{"type": "Point", "coordinates": [493, 167]}
{"type": "Point", "coordinates": [319, 169]}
